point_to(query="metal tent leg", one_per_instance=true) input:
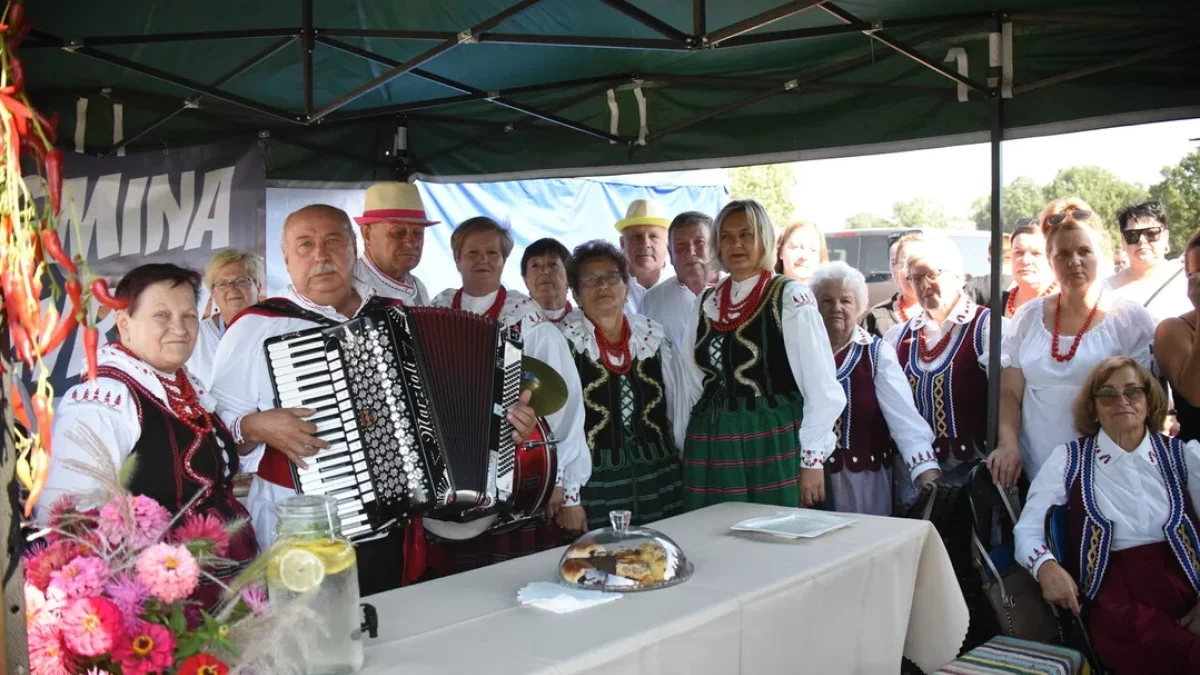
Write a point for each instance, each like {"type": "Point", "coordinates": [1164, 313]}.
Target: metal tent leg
{"type": "Point", "coordinates": [996, 103]}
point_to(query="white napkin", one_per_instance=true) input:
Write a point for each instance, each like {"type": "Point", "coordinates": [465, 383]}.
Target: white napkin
{"type": "Point", "coordinates": [561, 599]}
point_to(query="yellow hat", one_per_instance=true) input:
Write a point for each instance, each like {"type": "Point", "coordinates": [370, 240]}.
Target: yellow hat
{"type": "Point", "coordinates": [644, 212]}
{"type": "Point", "coordinates": [393, 201]}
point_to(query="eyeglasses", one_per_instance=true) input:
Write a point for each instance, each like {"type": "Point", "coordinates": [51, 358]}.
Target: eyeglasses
{"type": "Point", "coordinates": [1132, 237]}
{"type": "Point", "coordinates": [1073, 215]}
{"type": "Point", "coordinates": [927, 278]}
{"type": "Point", "coordinates": [1109, 396]}
{"type": "Point", "coordinates": [241, 282]}
{"type": "Point", "coordinates": [596, 280]}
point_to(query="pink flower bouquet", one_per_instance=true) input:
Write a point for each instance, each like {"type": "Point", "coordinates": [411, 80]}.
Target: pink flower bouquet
{"type": "Point", "coordinates": [114, 590]}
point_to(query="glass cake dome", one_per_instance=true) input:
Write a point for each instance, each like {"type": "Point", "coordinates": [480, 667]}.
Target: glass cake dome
{"type": "Point", "coordinates": [620, 558]}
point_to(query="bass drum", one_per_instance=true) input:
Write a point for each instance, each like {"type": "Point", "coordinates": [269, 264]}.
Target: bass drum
{"type": "Point", "coordinates": [534, 476]}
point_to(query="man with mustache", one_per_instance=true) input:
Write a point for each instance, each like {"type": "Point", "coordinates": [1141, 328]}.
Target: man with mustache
{"type": "Point", "coordinates": [319, 250]}
{"type": "Point", "coordinates": [644, 241]}
{"type": "Point", "coordinates": [393, 230]}
{"type": "Point", "coordinates": [673, 302]}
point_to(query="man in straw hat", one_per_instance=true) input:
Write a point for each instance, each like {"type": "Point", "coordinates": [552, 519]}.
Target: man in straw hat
{"type": "Point", "coordinates": [393, 230]}
{"type": "Point", "coordinates": [644, 241]}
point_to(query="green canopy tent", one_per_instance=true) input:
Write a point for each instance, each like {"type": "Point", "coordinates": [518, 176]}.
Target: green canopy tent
{"type": "Point", "coordinates": [456, 90]}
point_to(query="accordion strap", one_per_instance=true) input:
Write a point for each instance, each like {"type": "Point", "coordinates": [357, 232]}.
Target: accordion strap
{"type": "Point", "coordinates": [276, 468]}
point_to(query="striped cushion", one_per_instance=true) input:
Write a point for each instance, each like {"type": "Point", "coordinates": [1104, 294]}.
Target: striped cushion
{"type": "Point", "coordinates": [1010, 655]}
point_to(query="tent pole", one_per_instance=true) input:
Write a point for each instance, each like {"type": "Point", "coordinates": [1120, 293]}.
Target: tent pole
{"type": "Point", "coordinates": [649, 20]}
{"type": "Point", "coordinates": [843, 29]}
{"type": "Point", "coordinates": [996, 104]}
{"type": "Point", "coordinates": [306, 45]}
{"type": "Point", "coordinates": [699, 18]}
{"type": "Point", "coordinates": [46, 40]}
{"type": "Point", "coordinates": [758, 21]}
{"type": "Point", "coordinates": [1170, 47]}
{"type": "Point", "coordinates": [467, 35]}
{"type": "Point", "coordinates": [190, 103]}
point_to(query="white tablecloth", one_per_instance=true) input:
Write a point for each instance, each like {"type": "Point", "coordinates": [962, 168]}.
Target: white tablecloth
{"type": "Point", "coordinates": [849, 601]}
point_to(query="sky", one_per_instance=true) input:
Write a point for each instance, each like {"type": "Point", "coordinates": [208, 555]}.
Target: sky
{"type": "Point", "coordinates": [830, 190]}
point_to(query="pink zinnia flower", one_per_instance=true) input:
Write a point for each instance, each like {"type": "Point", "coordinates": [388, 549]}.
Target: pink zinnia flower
{"type": "Point", "coordinates": [91, 626]}
{"type": "Point", "coordinates": [169, 571]}
{"type": "Point", "coordinates": [150, 520]}
{"type": "Point", "coordinates": [130, 596]}
{"type": "Point", "coordinates": [203, 533]}
{"type": "Point", "coordinates": [48, 655]}
{"type": "Point", "coordinates": [256, 600]}
{"type": "Point", "coordinates": [43, 608]}
{"type": "Point", "coordinates": [149, 649]}
{"type": "Point", "coordinates": [40, 563]}
{"type": "Point", "coordinates": [85, 575]}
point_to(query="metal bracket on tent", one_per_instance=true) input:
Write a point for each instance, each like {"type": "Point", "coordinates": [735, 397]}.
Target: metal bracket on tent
{"type": "Point", "coordinates": [467, 38]}
{"type": "Point", "coordinates": [790, 85]}
{"type": "Point", "coordinates": [493, 95]}
{"type": "Point", "coordinates": [71, 47]}
{"type": "Point", "coordinates": [264, 135]}
{"type": "Point", "coordinates": [191, 103]}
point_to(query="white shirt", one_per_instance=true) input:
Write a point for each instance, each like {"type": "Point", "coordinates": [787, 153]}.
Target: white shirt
{"type": "Point", "coordinates": [109, 410]}
{"type": "Point", "coordinates": [242, 385]}
{"type": "Point", "coordinates": [555, 316]}
{"type": "Point", "coordinates": [637, 293]}
{"type": "Point", "coordinates": [957, 320]}
{"type": "Point", "coordinates": [646, 339]}
{"type": "Point", "coordinates": [207, 338]}
{"type": "Point", "coordinates": [410, 291]}
{"type": "Point", "coordinates": [809, 357]}
{"type": "Point", "coordinates": [908, 429]}
{"type": "Point", "coordinates": [545, 343]}
{"type": "Point", "coordinates": [1129, 491]}
{"type": "Point", "coordinates": [1170, 302]}
{"type": "Point", "coordinates": [672, 304]}
{"type": "Point", "coordinates": [1051, 386]}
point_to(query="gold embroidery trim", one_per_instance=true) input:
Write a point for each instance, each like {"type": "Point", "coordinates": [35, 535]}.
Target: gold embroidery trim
{"type": "Point", "coordinates": [658, 397]}
{"type": "Point", "coordinates": [605, 416]}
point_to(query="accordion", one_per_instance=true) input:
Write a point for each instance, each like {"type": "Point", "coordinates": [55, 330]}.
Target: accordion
{"type": "Point", "coordinates": [414, 404]}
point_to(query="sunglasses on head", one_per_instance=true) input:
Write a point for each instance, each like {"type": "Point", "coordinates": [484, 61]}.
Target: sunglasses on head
{"type": "Point", "coordinates": [1132, 237]}
{"type": "Point", "coordinates": [895, 236]}
{"type": "Point", "coordinates": [1078, 214]}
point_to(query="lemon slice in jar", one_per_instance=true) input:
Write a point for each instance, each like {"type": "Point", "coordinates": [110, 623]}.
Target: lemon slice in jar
{"type": "Point", "coordinates": [336, 555]}
{"type": "Point", "coordinates": [301, 571]}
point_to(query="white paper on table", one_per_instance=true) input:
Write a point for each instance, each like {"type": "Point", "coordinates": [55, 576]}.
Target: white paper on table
{"type": "Point", "coordinates": [803, 524]}
{"type": "Point", "coordinates": [562, 599]}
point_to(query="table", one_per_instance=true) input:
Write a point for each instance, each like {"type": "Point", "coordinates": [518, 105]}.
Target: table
{"type": "Point", "coordinates": [849, 601]}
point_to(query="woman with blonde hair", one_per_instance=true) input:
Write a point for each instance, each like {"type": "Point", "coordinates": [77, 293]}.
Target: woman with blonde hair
{"type": "Point", "coordinates": [769, 398]}
{"type": "Point", "coordinates": [236, 280]}
{"type": "Point", "coordinates": [1053, 342]}
{"type": "Point", "coordinates": [800, 250]}
{"type": "Point", "coordinates": [1131, 566]}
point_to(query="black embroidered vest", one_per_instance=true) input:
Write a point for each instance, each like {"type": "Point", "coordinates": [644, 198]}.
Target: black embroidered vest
{"type": "Point", "coordinates": [603, 412]}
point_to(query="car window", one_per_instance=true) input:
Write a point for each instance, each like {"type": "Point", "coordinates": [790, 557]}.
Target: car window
{"type": "Point", "coordinates": [844, 249]}
{"type": "Point", "coordinates": [873, 259]}
{"type": "Point", "coordinates": [974, 254]}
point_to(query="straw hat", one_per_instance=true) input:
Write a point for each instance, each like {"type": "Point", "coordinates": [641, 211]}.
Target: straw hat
{"type": "Point", "coordinates": [644, 212]}
{"type": "Point", "coordinates": [393, 201]}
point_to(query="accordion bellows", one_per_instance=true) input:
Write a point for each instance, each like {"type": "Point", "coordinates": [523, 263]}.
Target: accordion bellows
{"type": "Point", "coordinates": [413, 402]}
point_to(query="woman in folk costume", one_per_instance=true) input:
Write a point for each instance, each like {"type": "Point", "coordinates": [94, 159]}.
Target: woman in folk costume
{"type": "Point", "coordinates": [879, 413]}
{"type": "Point", "coordinates": [763, 426]}
{"type": "Point", "coordinates": [481, 246]}
{"type": "Point", "coordinates": [943, 351]}
{"type": "Point", "coordinates": [144, 403]}
{"type": "Point", "coordinates": [236, 280]}
{"type": "Point", "coordinates": [635, 393]}
{"type": "Point", "coordinates": [1131, 566]}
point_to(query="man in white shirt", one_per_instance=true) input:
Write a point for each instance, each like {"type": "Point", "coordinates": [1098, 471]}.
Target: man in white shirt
{"type": "Point", "coordinates": [393, 230]}
{"type": "Point", "coordinates": [236, 280]}
{"type": "Point", "coordinates": [673, 302]}
{"type": "Point", "coordinates": [644, 241]}
{"type": "Point", "coordinates": [319, 250]}
{"type": "Point", "coordinates": [1150, 280]}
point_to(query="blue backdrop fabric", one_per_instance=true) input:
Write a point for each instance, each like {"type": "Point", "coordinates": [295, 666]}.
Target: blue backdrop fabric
{"type": "Point", "coordinates": [571, 210]}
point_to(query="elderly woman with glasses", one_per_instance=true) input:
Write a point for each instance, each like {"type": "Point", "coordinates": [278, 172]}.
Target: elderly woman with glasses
{"type": "Point", "coordinates": [1053, 342]}
{"type": "Point", "coordinates": [943, 351]}
{"type": "Point", "coordinates": [879, 413]}
{"type": "Point", "coordinates": [1131, 566]}
{"type": "Point", "coordinates": [235, 279]}
{"type": "Point", "coordinates": [1177, 348]}
{"type": "Point", "coordinates": [763, 426]}
{"type": "Point", "coordinates": [635, 393]}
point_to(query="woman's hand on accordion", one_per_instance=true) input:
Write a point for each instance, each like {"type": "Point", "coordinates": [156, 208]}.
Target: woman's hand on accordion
{"type": "Point", "coordinates": [572, 519]}
{"type": "Point", "coordinates": [522, 418]}
{"type": "Point", "coordinates": [286, 430]}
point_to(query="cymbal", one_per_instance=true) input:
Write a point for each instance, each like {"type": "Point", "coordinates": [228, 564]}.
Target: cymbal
{"type": "Point", "coordinates": [548, 387]}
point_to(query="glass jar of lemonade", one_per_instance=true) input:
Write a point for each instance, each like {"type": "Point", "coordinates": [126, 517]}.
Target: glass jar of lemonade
{"type": "Point", "coordinates": [311, 561]}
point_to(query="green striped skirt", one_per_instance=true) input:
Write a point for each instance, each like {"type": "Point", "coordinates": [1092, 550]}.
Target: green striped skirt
{"type": "Point", "coordinates": [641, 479]}
{"type": "Point", "coordinates": [743, 451]}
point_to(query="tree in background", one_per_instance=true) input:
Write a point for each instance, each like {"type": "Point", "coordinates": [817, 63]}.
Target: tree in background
{"type": "Point", "coordinates": [1100, 188]}
{"type": "Point", "coordinates": [770, 184]}
{"type": "Point", "coordinates": [919, 213]}
{"type": "Point", "coordinates": [1179, 191]}
{"type": "Point", "coordinates": [867, 221]}
{"type": "Point", "coordinates": [1023, 198]}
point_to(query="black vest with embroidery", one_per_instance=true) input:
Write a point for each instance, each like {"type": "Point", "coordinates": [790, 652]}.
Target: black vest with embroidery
{"type": "Point", "coordinates": [173, 463]}
{"type": "Point", "coordinates": [602, 420]}
{"type": "Point", "coordinates": [749, 361]}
